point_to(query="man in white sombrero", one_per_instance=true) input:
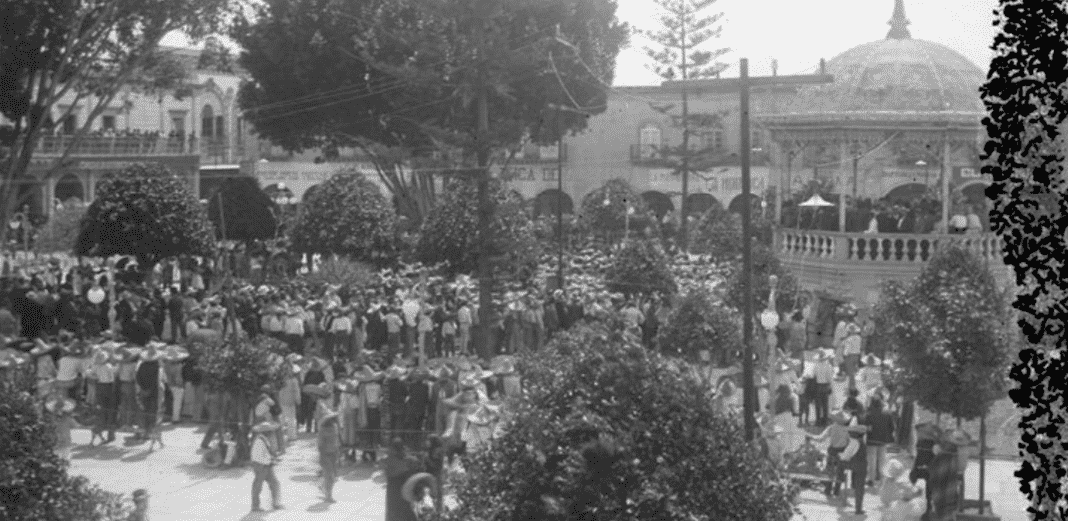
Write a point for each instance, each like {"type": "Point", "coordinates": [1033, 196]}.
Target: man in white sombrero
{"type": "Point", "coordinates": [264, 456]}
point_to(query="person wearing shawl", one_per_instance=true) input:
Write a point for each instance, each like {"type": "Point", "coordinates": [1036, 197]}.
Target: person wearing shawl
{"type": "Point", "coordinates": [61, 408]}
{"type": "Point", "coordinates": [902, 501]}
{"type": "Point", "coordinates": [149, 385]}
{"type": "Point", "coordinates": [289, 397]}
{"type": "Point", "coordinates": [329, 451]}
{"type": "Point", "coordinates": [369, 413]}
{"type": "Point", "coordinates": [396, 395]}
{"type": "Point", "coordinates": [308, 401]}
{"type": "Point", "coordinates": [837, 435]}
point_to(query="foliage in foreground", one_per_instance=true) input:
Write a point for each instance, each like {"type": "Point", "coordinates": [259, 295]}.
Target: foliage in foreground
{"type": "Point", "coordinates": [1025, 106]}
{"type": "Point", "coordinates": [700, 321]}
{"type": "Point", "coordinates": [242, 364]}
{"type": "Point", "coordinates": [34, 481]}
{"type": "Point", "coordinates": [607, 430]}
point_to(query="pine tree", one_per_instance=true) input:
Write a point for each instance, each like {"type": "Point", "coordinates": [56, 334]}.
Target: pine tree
{"type": "Point", "coordinates": [678, 55]}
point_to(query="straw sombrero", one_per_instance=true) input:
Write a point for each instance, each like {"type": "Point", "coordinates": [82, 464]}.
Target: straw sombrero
{"type": "Point", "coordinates": [420, 479]}
{"type": "Point", "coordinates": [264, 427]}
{"type": "Point", "coordinates": [503, 365]}
{"type": "Point", "coordinates": [42, 348]}
{"type": "Point", "coordinates": [321, 390]}
{"type": "Point", "coordinates": [366, 374]}
{"type": "Point", "coordinates": [394, 372]}
{"type": "Point", "coordinates": [11, 358]}
{"type": "Point", "coordinates": [59, 405]}
{"type": "Point", "coordinates": [174, 353]}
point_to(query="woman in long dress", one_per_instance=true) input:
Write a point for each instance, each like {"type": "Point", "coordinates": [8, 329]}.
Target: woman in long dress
{"type": "Point", "coordinates": [786, 410]}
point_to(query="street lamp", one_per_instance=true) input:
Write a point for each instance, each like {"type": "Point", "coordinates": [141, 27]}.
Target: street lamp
{"type": "Point", "coordinates": [923, 164]}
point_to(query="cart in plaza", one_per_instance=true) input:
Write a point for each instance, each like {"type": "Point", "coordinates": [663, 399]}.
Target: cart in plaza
{"type": "Point", "coordinates": [807, 466]}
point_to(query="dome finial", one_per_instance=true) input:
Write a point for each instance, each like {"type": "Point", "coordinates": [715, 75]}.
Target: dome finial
{"type": "Point", "coordinates": [898, 23]}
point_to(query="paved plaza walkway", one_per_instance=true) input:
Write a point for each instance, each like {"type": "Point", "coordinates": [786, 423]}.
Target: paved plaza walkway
{"type": "Point", "coordinates": [182, 489]}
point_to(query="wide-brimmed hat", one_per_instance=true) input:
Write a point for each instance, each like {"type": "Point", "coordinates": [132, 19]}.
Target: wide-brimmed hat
{"type": "Point", "coordinates": [264, 427]}
{"type": "Point", "coordinates": [893, 469]}
{"type": "Point", "coordinates": [421, 479]}
{"type": "Point", "coordinates": [503, 365]}
{"type": "Point", "coordinates": [395, 371]}
{"type": "Point", "coordinates": [328, 414]}
{"type": "Point", "coordinates": [958, 438]}
{"type": "Point", "coordinates": [469, 381]}
{"type": "Point", "coordinates": [321, 390]}
{"type": "Point", "coordinates": [858, 429]}
{"type": "Point", "coordinates": [927, 429]}
{"type": "Point", "coordinates": [849, 309]}
{"type": "Point", "coordinates": [42, 348]}
{"type": "Point", "coordinates": [58, 404]}
{"type": "Point", "coordinates": [366, 374]}
{"type": "Point", "coordinates": [871, 360]}
{"type": "Point", "coordinates": [11, 358]}
{"type": "Point", "coordinates": [839, 416]}
{"type": "Point", "coordinates": [294, 358]}
{"type": "Point", "coordinates": [175, 353]}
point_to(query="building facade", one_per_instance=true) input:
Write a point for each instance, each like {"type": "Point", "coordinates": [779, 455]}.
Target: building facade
{"type": "Point", "coordinates": [200, 130]}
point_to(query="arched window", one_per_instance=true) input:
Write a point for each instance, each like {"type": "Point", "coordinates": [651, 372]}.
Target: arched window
{"type": "Point", "coordinates": [650, 139]}
{"type": "Point", "coordinates": [207, 120]}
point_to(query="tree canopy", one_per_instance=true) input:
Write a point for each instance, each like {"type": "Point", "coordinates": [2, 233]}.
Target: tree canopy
{"type": "Point", "coordinates": [450, 233]}
{"type": "Point", "coordinates": [607, 430]}
{"type": "Point", "coordinates": [640, 267]}
{"type": "Point", "coordinates": [145, 212]}
{"type": "Point", "coordinates": [604, 212]}
{"type": "Point", "coordinates": [59, 55]}
{"type": "Point", "coordinates": [398, 78]}
{"type": "Point", "coordinates": [347, 215]}
{"type": "Point", "coordinates": [34, 481]}
{"type": "Point", "coordinates": [950, 330]}
{"type": "Point", "coordinates": [700, 321]}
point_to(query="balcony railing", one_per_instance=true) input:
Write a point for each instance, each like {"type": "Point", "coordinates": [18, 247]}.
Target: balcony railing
{"type": "Point", "coordinates": [877, 248]}
{"type": "Point", "coordinates": [855, 264]}
{"type": "Point", "coordinates": [211, 150]}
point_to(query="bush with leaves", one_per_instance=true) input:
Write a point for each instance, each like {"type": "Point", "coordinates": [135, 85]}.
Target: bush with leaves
{"type": "Point", "coordinates": [243, 365]}
{"type": "Point", "coordinates": [607, 430]}
{"type": "Point", "coordinates": [640, 268]}
{"type": "Point", "coordinates": [450, 235]}
{"type": "Point", "coordinates": [147, 213]}
{"type": "Point", "coordinates": [61, 232]}
{"type": "Point", "coordinates": [950, 330]}
{"type": "Point", "coordinates": [347, 215]}
{"type": "Point", "coordinates": [34, 480]}
{"type": "Point", "coordinates": [604, 212]}
{"type": "Point", "coordinates": [718, 234]}
{"type": "Point", "coordinates": [701, 322]}
{"type": "Point", "coordinates": [765, 264]}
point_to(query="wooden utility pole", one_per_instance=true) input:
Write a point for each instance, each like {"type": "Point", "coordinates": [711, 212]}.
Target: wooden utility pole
{"type": "Point", "coordinates": [485, 228]}
{"type": "Point", "coordinates": [742, 84]}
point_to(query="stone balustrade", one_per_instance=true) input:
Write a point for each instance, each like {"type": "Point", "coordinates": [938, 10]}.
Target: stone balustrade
{"type": "Point", "coordinates": [880, 247]}
{"type": "Point", "coordinates": [855, 265]}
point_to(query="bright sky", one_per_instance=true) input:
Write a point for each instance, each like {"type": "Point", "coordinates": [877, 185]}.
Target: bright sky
{"type": "Point", "coordinates": [799, 32]}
